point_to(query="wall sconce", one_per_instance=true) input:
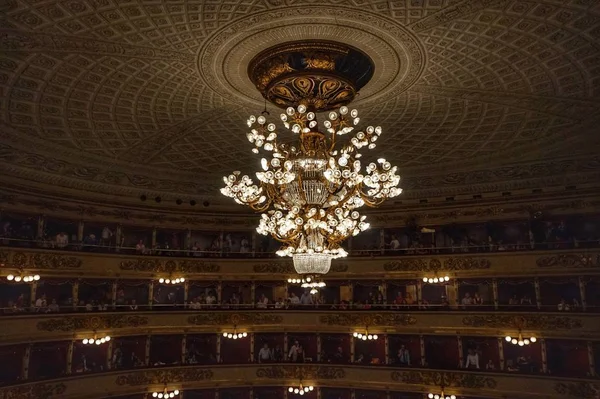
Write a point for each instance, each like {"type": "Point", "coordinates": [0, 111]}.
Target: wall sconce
{"type": "Point", "coordinates": [436, 279]}
{"type": "Point", "coordinates": [171, 280]}
{"type": "Point", "coordinates": [165, 394]}
{"type": "Point", "coordinates": [235, 334]}
{"type": "Point", "coordinates": [300, 390]}
{"type": "Point", "coordinates": [366, 336]}
{"type": "Point", "coordinates": [95, 340]}
{"type": "Point", "coordinates": [520, 340]}
{"type": "Point", "coordinates": [24, 277]}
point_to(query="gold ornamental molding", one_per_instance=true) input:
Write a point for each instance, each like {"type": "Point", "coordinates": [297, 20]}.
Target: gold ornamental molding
{"type": "Point", "coordinates": [580, 390]}
{"type": "Point", "coordinates": [33, 391]}
{"type": "Point", "coordinates": [287, 267]}
{"type": "Point", "coordinates": [301, 372]}
{"type": "Point", "coordinates": [161, 376]}
{"type": "Point", "coordinates": [42, 260]}
{"type": "Point", "coordinates": [570, 261]}
{"type": "Point", "coordinates": [169, 266]}
{"type": "Point", "coordinates": [445, 379]}
{"type": "Point", "coordinates": [216, 319]}
{"type": "Point", "coordinates": [535, 322]}
{"type": "Point", "coordinates": [75, 323]}
{"type": "Point", "coordinates": [434, 265]}
{"type": "Point", "coordinates": [378, 319]}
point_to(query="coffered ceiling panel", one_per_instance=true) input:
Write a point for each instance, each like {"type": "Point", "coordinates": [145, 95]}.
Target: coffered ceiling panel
{"type": "Point", "coordinates": [128, 95]}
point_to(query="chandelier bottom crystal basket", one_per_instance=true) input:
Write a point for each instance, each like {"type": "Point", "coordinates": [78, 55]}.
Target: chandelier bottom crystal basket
{"type": "Point", "coordinates": [309, 194]}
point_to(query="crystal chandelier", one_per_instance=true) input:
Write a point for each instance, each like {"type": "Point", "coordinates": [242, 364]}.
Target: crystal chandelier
{"type": "Point", "coordinates": [310, 193]}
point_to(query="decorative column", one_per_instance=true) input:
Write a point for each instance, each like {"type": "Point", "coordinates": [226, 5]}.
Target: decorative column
{"type": "Point", "coordinates": [384, 291]}
{"type": "Point", "coordinates": [544, 356]}
{"type": "Point", "coordinates": [456, 302]}
{"type": "Point", "coordinates": [118, 237]}
{"type": "Point", "coordinates": [351, 290]}
{"type": "Point", "coordinates": [188, 239]}
{"type": "Point", "coordinates": [285, 394]}
{"type": "Point", "coordinates": [252, 347]}
{"type": "Point", "coordinates": [221, 243]}
{"type": "Point", "coordinates": [109, 352]}
{"type": "Point", "coordinates": [501, 353]}
{"type": "Point", "coordinates": [538, 296]}
{"type": "Point", "coordinates": [382, 241]}
{"type": "Point", "coordinates": [318, 389]}
{"type": "Point", "coordinates": [352, 343]}
{"type": "Point", "coordinates": [113, 294]}
{"type": "Point", "coordinates": [220, 291]}
{"type": "Point", "coordinates": [461, 358]}
{"type": "Point", "coordinates": [153, 241]}
{"type": "Point", "coordinates": [251, 396]}
{"type": "Point", "coordinates": [40, 226]}
{"type": "Point", "coordinates": [253, 244]}
{"type": "Point", "coordinates": [387, 395]}
{"type": "Point", "coordinates": [386, 344]}
{"type": "Point", "coordinates": [186, 291]}
{"type": "Point", "coordinates": [25, 365]}
{"type": "Point", "coordinates": [419, 291]}
{"type": "Point", "coordinates": [253, 294]}
{"type": "Point", "coordinates": [183, 348]}
{"type": "Point", "coordinates": [285, 346]}
{"type": "Point", "coordinates": [591, 360]}
{"type": "Point", "coordinates": [75, 294]}
{"type": "Point", "coordinates": [422, 343]}
{"type": "Point", "coordinates": [582, 293]}
{"type": "Point", "coordinates": [70, 357]}
{"type": "Point", "coordinates": [147, 351]}
{"type": "Point", "coordinates": [32, 293]}
{"type": "Point", "coordinates": [150, 293]}
{"type": "Point", "coordinates": [286, 290]}
{"type": "Point", "coordinates": [217, 394]}
{"type": "Point", "coordinates": [318, 347]}
{"type": "Point", "coordinates": [80, 226]}
{"type": "Point", "coordinates": [352, 394]}
{"type": "Point", "coordinates": [495, 293]}
{"type": "Point", "coordinates": [219, 337]}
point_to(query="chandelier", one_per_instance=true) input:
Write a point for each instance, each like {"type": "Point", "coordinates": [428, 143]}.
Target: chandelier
{"type": "Point", "coordinates": [436, 279]}
{"type": "Point", "coordinates": [366, 336]}
{"type": "Point", "coordinates": [171, 280]}
{"type": "Point", "coordinates": [235, 334]}
{"type": "Point", "coordinates": [95, 340]}
{"type": "Point", "coordinates": [310, 193]}
{"type": "Point", "coordinates": [440, 396]}
{"type": "Point", "coordinates": [165, 394]}
{"type": "Point", "coordinates": [26, 278]}
{"type": "Point", "coordinates": [520, 340]}
{"type": "Point", "coordinates": [300, 390]}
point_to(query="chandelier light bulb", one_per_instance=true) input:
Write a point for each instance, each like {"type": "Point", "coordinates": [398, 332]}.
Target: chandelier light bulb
{"type": "Point", "coordinates": [10, 277]}
{"type": "Point", "coordinates": [225, 334]}
{"type": "Point", "coordinates": [514, 341]}
{"type": "Point", "coordinates": [430, 396]}
{"type": "Point", "coordinates": [375, 336]}
{"type": "Point", "coordinates": [508, 338]}
{"type": "Point", "coordinates": [161, 280]}
{"type": "Point", "coordinates": [447, 278]}
{"type": "Point", "coordinates": [154, 394]}
{"type": "Point", "coordinates": [17, 278]}
{"type": "Point", "coordinates": [85, 341]}
{"type": "Point", "coordinates": [424, 279]}
{"type": "Point", "coordinates": [91, 340]}
{"type": "Point", "coordinates": [290, 389]}
{"type": "Point", "coordinates": [533, 339]}
{"type": "Point", "coordinates": [160, 395]}
{"type": "Point", "coordinates": [36, 277]}
{"type": "Point", "coordinates": [296, 390]}
{"type": "Point", "coordinates": [526, 341]}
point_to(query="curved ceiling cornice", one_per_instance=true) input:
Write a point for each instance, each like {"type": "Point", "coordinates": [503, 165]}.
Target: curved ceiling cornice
{"type": "Point", "coordinates": [130, 98]}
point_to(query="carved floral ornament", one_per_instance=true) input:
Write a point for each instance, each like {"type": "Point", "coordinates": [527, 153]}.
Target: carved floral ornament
{"type": "Point", "coordinates": [162, 376]}
{"type": "Point", "coordinates": [580, 390]}
{"type": "Point", "coordinates": [75, 323]}
{"type": "Point", "coordinates": [213, 319]}
{"type": "Point", "coordinates": [536, 322]}
{"type": "Point", "coordinates": [169, 266]}
{"type": "Point", "coordinates": [288, 268]}
{"type": "Point", "coordinates": [301, 372]}
{"type": "Point", "coordinates": [381, 319]}
{"type": "Point", "coordinates": [445, 379]}
{"type": "Point", "coordinates": [570, 261]}
{"type": "Point", "coordinates": [33, 391]}
{"type": "Point", "coordinates": [435, 265]}
{"type": "Point", "coordinates": [41, 260]}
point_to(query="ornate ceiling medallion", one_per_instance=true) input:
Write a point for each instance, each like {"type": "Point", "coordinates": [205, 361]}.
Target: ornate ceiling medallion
{"type": "Point", "coordinates": [322, 75]}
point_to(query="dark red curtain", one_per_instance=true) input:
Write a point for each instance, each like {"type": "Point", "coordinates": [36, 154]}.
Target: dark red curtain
{"type": "Point", "coordinates": [269, 392]}
{"type": "Point", "coordinates": [373, 351]}
{"type": "Point", "coordinates": [397, 289]}
{"type": "Point", "coordinates": [567, 358]}
{"type": "Point", "coordinates": [57, 289]}
{"type": "Point", "coordinates": [308, 343]}
{"type": "Point", "coordinates": [335, 393]}
{"type": "Point", "coordinates": [335, 348]}
{"type": "Point", "coordinates": [235, 351]}
{"type": "Point", "coordinates": [528, 358]}
{"type": "Point", "coordinates": [201, 349]}
{"type": "Point", "coordinates": [11, 363]}
{"type": "Point", "coordinates": [48, 360]}
{"type": "Point", "coordinates": [89, 358]}
{"type": "Point", "coordinates": [411, 342]}
{"type": "Point", "coordinates": [368, 394]}
{"type": "Point", "coordinates": [274, 343]}
{"type": "Point", "coordinates": [553, 290]}
{"type": "Point", "coordinates": [132, 293]}
{"type": "Point", "coordinates": [234, 393]}
{"type": "Point", "coordinates": [165, 350]}
{"type": "Point", "coordinates": [129, 352]}
{"type": "Point", "coordinates": [441, 352]}
{"type": "Point", "coordinates": [485, 347]}
{"type": "Point", "coordinates": [200, 394]}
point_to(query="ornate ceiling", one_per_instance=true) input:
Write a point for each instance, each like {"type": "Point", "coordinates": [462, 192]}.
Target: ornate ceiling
{"type": "Point", "coordinates": [130, 97]}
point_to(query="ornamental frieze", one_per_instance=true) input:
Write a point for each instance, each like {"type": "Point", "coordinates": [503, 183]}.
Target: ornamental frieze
{"type": "Point", "coordinates": [33, 391]}
{"type": "Point", "coordinates": [540, 322]}
{"type": "Point", "coordinates": [445, 379]}
{"type": "Point", "coordinates": [170, 266]}
{"type": "Point", "coordinates": [55, 261]}
{"type": "Point", "coordinates": [288, 268]}
{"type": "Point", "coordinates": [235, 318]}
{"type": "Point", "coordinates": [434, 265]}
{"type": "Point", "coordinates": [570, 261]}
{"type": "Point", "coordinates": [3, 257]}
{"type": "Point", "coordinates": [381, 319]}
{"type": "Point", "coordinates": [160, 376]}
{"type": "Point", "coordinates": [74, 323]}
{"type": "Point", "coordinates": [582, 390]}
{"type": "Point", "coordinates": [19, 259]}
{"type": "Point", "coordinates": [301, 372]}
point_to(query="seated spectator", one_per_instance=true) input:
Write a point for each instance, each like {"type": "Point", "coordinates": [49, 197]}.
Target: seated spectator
{"type": "Point", "coordinates": [140, 247]}
{"type": "Point", "coordinates": [526, 300]}
{"type": "Point", "coordinates": [510, 366]}
{"type": "Point", "coordinates": [563, 306]}
{"type": "Point", "coordinates": [575, 304]}
{"type": "Point", "coordinates": [279, 303]}
{"type": "Point", "coordinates": [472, 359]}
{"type": "Point", "coordinates": [89, 307]}
{"type": "Point", "coordinates": [306, 298]}
{"type": "Point", "coordinates": [133, 305]}
{"type": "Point", "coordinates": [211, 299]}
{"type": "Point", "coordinates": [278, 354]}
{"type": "Point", "coordinates": [466, 301]}
{"type": "Point", "coordinates": [53, 307]}
{"type": "Point", "coordinates": [41, 304]}
{"type": "Point", "coordinates": [403, 357]}
{"type": "Point", "coordinates": [102, 306]}
{"type": "Point", "coordinates": [262, 302]}
{"type": "Point", "coordinates": [62, 240]}
{"type": "Point", "coordinates": [514, 301]}
{"type": "Point", "coordinates": [339, 356]}
{"type": "Point", "coordinates": [294, 300]}
{"type": "Point", "coordinates": [360, 359]}
{"type": "Point", "coordinates": [265, 354]}
{"type": "Point", "coordinates": [490, 365]}
{"type": "Point", "coordinates": [477, 300]}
